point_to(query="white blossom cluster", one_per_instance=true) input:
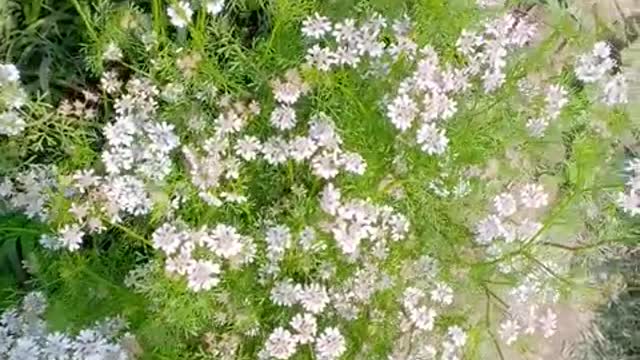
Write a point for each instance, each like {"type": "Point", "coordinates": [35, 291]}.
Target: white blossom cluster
{"type": "Point", "coordinates": [530, 306]}
{"type": "Point", "coordinates": [512, 219]}
{"type": "Point", "coordinates": [198, 254]}
{"type": "Point", "coordinates": [181, 12]}
{"type": "Point", "coordinates": [12, 98]}
{"type": "Point", "coordinates": [30, 190]}
{"type": "Point", "coordinates": [629, 200]}
{"type": "Point", "coordinates": [424, 297]}
{"type": "Point", "coordinates": [24, 335]}
{"type": "Point", "coordinates": [283, 344]}
{"type": "Point", "coordinates": [555, 98]}
{"type": "Point", "coordinates": [598, 66]}
{"type": "Point", "coordinates": [355, 220]}
{"type": "Point", "coordinates": [428, 94]}
{"type": "Point", "coordinates": [343, 44]}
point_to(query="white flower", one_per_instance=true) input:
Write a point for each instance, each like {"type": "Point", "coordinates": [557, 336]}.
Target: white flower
{"type": "Point", "coordinates": [489, 229]}
{"type": "Point", "coordinates": [548, 323]}
{"type": "Point", "coordinates": [11, 123]}
{"type": "Point", "coordinates": [71, 237]}
{"type": "Point", "coordinates": [314, 298]}
{"type": "Point", "coordinates": [281, 344]}
{"type": "Point", "coordinates": [278, 238]}
{"type": "Point", "coordinates": [248, 147]}
{"type": "Point", "coordinates": [505, 204]}
{"type": "Point", "coordinates": [345, 32]}
{"type": "Point", "coordinates": [305, 326]}
{"type": "Point", "coordinates": [214, 7]}
{"type": "Point", "coordinates": [228, 243]}
{"type": "Point", "coordinates": [275, 150]}
{"type": "Point", "coordinates": [9, 74]}
{"type": "Point", "coordinates": [283, 117]}
{"type": "Point", "coordinates": [112, 52]}
{"type": "Point", "coordinates": [289, 91]}
{"type": "Point", "coordinates": [320, 57]}
{"type": "Point", "coordinates": [602, 50]}
{"type": "Point", "coordinates": [537, 126]}
{"type": "Point", "coordinates": [615, 91]}
{"type": "Point", "coordinates": [533, 196]}
{"type": "Point", "coordinates": [180, 14]}
{"type": "Point", "coordinates": [353, 163]}
{"type": "Point", "coordinates": [509, 331]}
{"type": "Point", "coordinates": [167, 238]}
{"type": "Point", "coordinates": [302, 148]}
{"type": "Point", "coordinates": [203, 275]}
{"type": "Point", "coordinates": [555, 100]}
{"type": "Point", "coordinates": [402, 111]}
{"type": "Point", "coordinates": [316, 26]}
{"type": "Point", "coordinates": [422, 317]}
{"type": "Point", "coordinates": [457, 335]}
{"type": "Point", "coordinates": [330, 345]}
{"type": "Point", "coordinates": [110, 82]}
{"type": "Point", "coordinates": [162, 137]}
{"type": "Point", "coordinates": [285, 293]}
{"type": "Point", "coordinates": [433, 141]}
{"type": "Point", "coordinates": [442, 294]}
{"type": "Point", "coordinates": [326, 164]}
{"type": "Point", "coordinates": [330, 199]}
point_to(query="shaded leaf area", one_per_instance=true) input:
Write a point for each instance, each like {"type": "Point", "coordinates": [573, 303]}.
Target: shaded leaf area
{"type": "Point", "coordinates": [18, 238]}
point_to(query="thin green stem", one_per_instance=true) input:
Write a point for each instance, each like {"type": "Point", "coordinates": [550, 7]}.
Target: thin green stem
{"type": "Point", "coordinates": [85, 19]}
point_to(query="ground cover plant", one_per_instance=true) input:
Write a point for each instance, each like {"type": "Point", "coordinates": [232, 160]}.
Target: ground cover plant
{"type": "Point", "coordinates": [305, 179]}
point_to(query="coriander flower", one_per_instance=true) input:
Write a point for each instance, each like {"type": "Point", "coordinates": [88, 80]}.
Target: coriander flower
{"type": "Point", "coordinates": [316, 26]}
{"type": "Point", "coordinates": [548, 323]}
{"type": "Point", "coordinates": [302, 148]}
{"type": "Point", "coordinates": [283, 118]}
{"type": "Point", "coordinates": [112, 52]}
{"type": "Point", "coordinates": [248, 147]}
{"type": "Point", "coordinates": [442, 294]}
{"type": "Point", "coordinates": [9, 74]}
{"type": "Point", "coordinates": [281, 344]}
{"type": "Point", "coordinates": [180, 14]}
{"type": "Point", "coordinates": [330, 345]}
{"type": "Point", "coordinates": [505, 204]}
{"type": "Point", "coordinates": [422, 317]}
{"type": "Point", "coordinates": [457, 336]}
{"type": "Point", "coordinates": [203, 275]}
{"type": "Point", "coordinates": [313, 298]}
{"type": "Point", "coordinates": [533, 196]}
{"type": "Point", "coordinates": [11, 123]}
{"type": "Point", "coordinates": [320, 57]}
{"type": "Point", "coordinates": [305, 326]}
{"type": "Point", "coordinates": [402, 111]}
{"type": "Point", "coordinates": [433, 141]}
{"type": "Point", "coordinates": [71, 237]}
{"type": "Point", "coordinates": [167, 238]}
{"type": "Point", "coordinates": [214, 7]}
{"type": "Point", "coordinates": [509, 331]}
{"type": "Point", "coordinates": [615, 91]}
{"type": "Point", "coordinates": [285, 293]}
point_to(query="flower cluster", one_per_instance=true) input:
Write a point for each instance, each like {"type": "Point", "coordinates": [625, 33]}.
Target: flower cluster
{"type": "Point", "coordinates": [12, 98]}
{"type": "Point", "coordinates": [512, 220]}
{"type": "Point", "coordinates": [343, 44]}
{"type": "Point", "coordinates": [629, 200]}
{"type": "Point", "coordinates": [428, 94]}
{"type": "Point", "coordinates": [599, 66]}
{"type": "Point", "coordinates": [24, 335]}
{"type": "Point", "coordinates": [554, 100]}
{"type": "Point", "coordinates": [355, 220]}
{"type": "Point", "coordinates": [197, 254]}
{"type": "Point", "coordinates": [282, 344]}
{"type": "Point", "coordinates": [30, 191]}
{"type": "Point", "coordinates": [530, 305]}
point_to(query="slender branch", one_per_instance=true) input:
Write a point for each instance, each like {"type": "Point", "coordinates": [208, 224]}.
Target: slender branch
{"type": "Point", "coordinates": [85, 19]}
{"type": "Point", "coordinates": [488, 321]}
